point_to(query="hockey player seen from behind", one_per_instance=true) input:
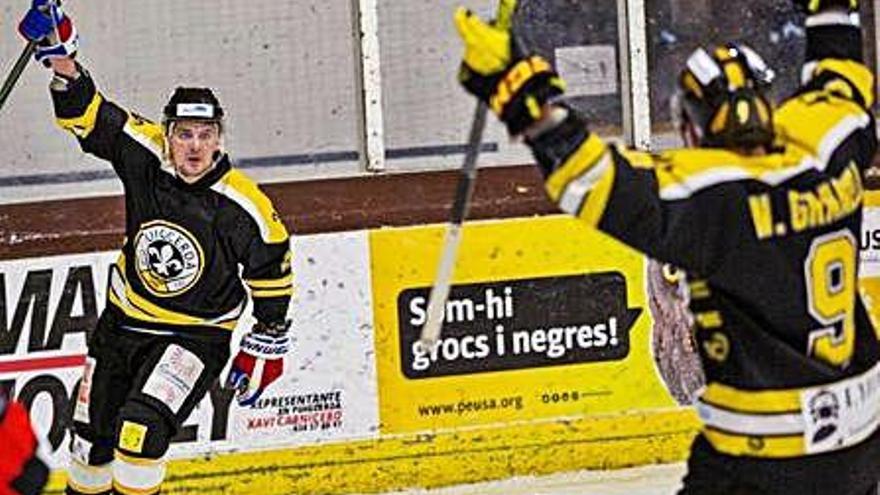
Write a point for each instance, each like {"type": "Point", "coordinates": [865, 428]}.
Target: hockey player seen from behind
{"type": "Point", "coordinates": [763, 211]}
{"type": "Point", "coordinates": [197, 232]}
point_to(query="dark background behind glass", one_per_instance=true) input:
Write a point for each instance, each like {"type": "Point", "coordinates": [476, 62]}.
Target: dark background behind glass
{"type": "Point", "coordinates": [772, 28]}
{"type": "Point", "coordinates": [544, 25]}
{"type": "Point", "coordinates": [675, 28]}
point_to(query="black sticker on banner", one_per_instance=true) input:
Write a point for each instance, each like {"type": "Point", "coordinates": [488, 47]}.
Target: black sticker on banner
{"type": "Point", "coordinates": [518, 324]}
{"type": "Point", "coordinates": [870, 241]}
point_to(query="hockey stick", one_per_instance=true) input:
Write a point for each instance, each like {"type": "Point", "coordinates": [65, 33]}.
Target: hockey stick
{"type": "Point", "coordinates": [463, 193]}
{"type": "Point", "coordinates": [16, 71]}
{"type": "Point", "coordinates": [462, 202]}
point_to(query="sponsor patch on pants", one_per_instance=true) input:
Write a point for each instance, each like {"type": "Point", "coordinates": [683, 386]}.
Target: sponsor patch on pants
{"type": "Point", "coordinates": [81, 408]}
{"type": "Point", "coordinates": [841, 414]}
{"type": "Point", "coordinates": [132, 436]}
{"type": "Point", "coordinates": [174, 377]}
{"type": "Point", "coordinates": [80, 448]}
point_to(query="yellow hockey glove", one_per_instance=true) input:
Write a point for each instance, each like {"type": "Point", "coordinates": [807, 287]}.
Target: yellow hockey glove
{"type": "Point", "coordinates": [492, 69]}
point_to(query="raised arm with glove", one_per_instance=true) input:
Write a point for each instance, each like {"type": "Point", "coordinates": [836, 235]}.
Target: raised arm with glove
{"type": "Point", "coordinates": [53, 31]}
{"type": "Point", "coordinates": [201, 239]}
{"type": "Point", "coordinates": [762, 210]}
{"type": "Point", "coordinates": [515, 87]}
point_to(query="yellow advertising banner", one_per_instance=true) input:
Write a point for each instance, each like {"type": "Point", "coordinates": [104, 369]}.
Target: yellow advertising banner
{"type": "Point", "coordinates": [545, 319]}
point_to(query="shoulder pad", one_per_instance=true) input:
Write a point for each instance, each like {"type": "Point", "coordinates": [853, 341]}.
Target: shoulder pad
{"type": "Point", "coordinates": [638, 159]}
{"type": "Point", "coordinates": [149, 134]}
{"type": "Point", "coordinates": [243, 191]}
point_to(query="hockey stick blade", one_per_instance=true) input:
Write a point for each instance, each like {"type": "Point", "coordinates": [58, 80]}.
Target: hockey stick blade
{"type": "Point", "coordinates": [463, 192]}
{"type": "Point", "coordinates": [16, 71]}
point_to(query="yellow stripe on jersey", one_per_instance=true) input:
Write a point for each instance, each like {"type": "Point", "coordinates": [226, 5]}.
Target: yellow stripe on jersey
{"type": "Point", "coordinates": [811, 127]}
{"type": "Point", "coordinates": [258, 293]}
{"type": "Point", "coordinates": [856, 73]}
{"type": "Point", "coordinates": [242, 190]}
{"type": "Point", "coordinates": [771, 446]}
{"type": "Point", "coordinates": [139, 308]}
{"type": "Point", "coordinates": [770, 401]}
{"type": "Point", "coordinates": [682, 172]}
{"type": "Point", "coordinates": [597, 200]}
{"type": "Point", "coordinates": [816, 124]}
{"type": "Point", "coordinates": [277, 283]}
{"type": "Point", "coordinates": [149, 134]}
{"type": "Point", "coordinates": [83, 125]}
{"type": "Point", "coordinates": [585, 157]}
{"type": "Point", "coordinates": [638, 159]}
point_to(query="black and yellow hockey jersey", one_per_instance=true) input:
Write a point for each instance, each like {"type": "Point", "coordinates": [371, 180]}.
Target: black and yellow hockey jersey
{"type": "Point", "coordinates": [770, 245]}
{"type": "Point", "coordinates": [188, 247]}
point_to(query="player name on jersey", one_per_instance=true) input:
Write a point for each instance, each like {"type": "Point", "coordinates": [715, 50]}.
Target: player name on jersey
{"type": "Point", "coordinates": [825, 203]}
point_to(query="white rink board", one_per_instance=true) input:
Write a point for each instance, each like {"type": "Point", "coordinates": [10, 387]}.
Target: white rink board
{"type": "Point", "coordinates": [332, 353]}
{"type": "Point", "coordinates": [331, 365]}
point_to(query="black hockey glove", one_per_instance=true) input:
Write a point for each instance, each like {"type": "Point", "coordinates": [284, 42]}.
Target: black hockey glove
{"type": "Point", "coordinates": [515, 87]}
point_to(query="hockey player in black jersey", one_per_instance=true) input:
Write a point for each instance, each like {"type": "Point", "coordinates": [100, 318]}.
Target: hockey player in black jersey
{"type": "Point", "coordinates": [763, 212]}
{"type": "Point", "coordinates": [197, 233]}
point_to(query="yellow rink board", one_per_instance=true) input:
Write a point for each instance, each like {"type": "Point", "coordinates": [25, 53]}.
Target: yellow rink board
{"type": "Point", "coordinates": [870, 286]}
{"type": "Point", "coordinates": [432, 460]}
{"type": "Point", "coordinates": [503, 253]}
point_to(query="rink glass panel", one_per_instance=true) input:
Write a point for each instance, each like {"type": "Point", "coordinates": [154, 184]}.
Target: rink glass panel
{"type": "Point", "coordinates": [427, 114]}
{"type": "Point", "coordinates": [772, 28]}
{"type": "Point", "coordinates": [284, 71]}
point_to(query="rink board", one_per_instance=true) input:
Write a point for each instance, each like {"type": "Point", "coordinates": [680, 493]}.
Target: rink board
{"type": "Point", "coordinates": [438, 459]}
{"type": "Point", "coordinates": [870, 253]}
{"type": "Point", "coordinates": [544, 319]}
{"type": "Point", "coordinates": [327, 394]}
{"type": "Point", "coordinates": [393, 424]}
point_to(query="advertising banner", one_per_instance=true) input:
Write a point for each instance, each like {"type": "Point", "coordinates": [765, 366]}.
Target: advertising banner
{"type": "Point", "coordinates": [545, 319]}
{"type": "Point", "coordinates": [328, 391]}
{"type": "Point", "coordinates": [870, 253]}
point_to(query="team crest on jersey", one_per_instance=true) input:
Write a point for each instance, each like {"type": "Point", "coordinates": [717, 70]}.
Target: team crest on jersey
{"type": "Point", "coordinates": [168, 258]}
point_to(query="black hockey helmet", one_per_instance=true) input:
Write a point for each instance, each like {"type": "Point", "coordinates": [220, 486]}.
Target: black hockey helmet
{"type": "Point", "coordinates": [193, 104]}
{"type": "Point", "coordinates": [724, 95]}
